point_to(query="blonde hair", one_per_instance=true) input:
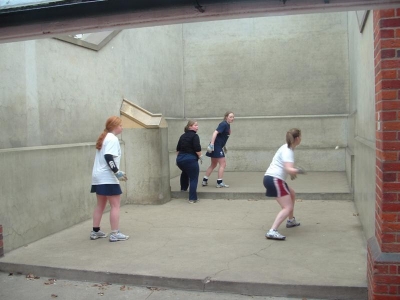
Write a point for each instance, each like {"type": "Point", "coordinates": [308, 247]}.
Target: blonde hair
{"type": "Point", "coordinates": [291, 135]}
{"type": "Point", "coordinates": [227, 114]}
{"type": "Point", "coordinates": [189, 123]}
{"type": "Point", "coordinates": [111, 124]}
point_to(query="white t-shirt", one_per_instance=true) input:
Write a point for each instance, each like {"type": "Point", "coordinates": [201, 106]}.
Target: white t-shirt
{"type": "Point", "coordinates": [102, 173]}
{"type": "Point", "coordinates": [277, 166]}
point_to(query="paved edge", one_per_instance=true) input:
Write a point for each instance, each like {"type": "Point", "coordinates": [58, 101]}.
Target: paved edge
{"type": "Point", "coordinates": [261, 196]}
{"type": "Point", "coordinates": [203, 285]}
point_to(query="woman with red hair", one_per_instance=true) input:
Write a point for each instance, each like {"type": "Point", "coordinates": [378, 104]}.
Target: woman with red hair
{"type": "Point", "coordinates": [105, 180]}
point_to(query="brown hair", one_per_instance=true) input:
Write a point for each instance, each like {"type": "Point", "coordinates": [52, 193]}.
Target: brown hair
{"type": "Point", "coordinates": [111, 124]}
{"type": "Point", "coordinates": [227, 114]}
{"type": "Point", "coordinates": [291, 135]}
{"type": "Point", "coordinates": [189, 123]}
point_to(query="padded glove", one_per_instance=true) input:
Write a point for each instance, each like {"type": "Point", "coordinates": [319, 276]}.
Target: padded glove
{"type": "Point", "coordinates": [300, 170]}
{"type": "Point", "coordinates": [210, 148]}
{"type": "Point", "coordinates": [121, 176]}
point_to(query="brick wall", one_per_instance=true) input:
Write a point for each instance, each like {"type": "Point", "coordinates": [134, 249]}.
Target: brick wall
{"type": "Point", "coordinates": [384, 249]}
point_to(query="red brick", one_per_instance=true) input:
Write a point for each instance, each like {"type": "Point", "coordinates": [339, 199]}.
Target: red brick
{"type": "Point", "coordinates": [391, 207]}
{"type": "Point", "coordinates": [388, 105]}
{"type": "Point", "coordinates": [388, 238]}
{"type": "Point", "coordinates": [390, 126]}
{"type": "Point", "coordinates": [389, 64]}
{"type": "Point", "coordinates": [393, 289]}
{"type": "Point", "coordinates": [391, 84]}
{"type": "Point", "coordinates": [389, 177]}
{"type": "Point", "coordinates": [389, 95]}
{"type": "Point", "coordinates": [389, 145]}
{"type": "Point", "coordinates": [391, 248]}
{"type": "Point", "coordinates": [381, 289]}
{"type": "Point", "coordinates": [388, 279]}
{"type": "Point", "coordinates": [388, 115]}
{"type": "Point", "coordinates": [388, 53]}
{"type": "Point", "coordinates": [393, 269]}
{"type": "Point", "coordinates": [386, 23]}
{"type": "Point", "coordinates": [389, 74]}
{"type": "Point", "coordinates": [387, 156]}
{"type": "Point", "coordinates": [385, 13]}
{"type": "Point", "coordinates": [390, 197]}
{"type": "Point", "coordinates": [388, 44]}
{"type": "Point", "coordinates": [388, 33]}
{"type": "Point", "coordinates": [381, 269]}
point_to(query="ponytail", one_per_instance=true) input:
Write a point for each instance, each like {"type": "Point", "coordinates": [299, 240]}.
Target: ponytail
{"type": "Point", "coordinates": [291, 135]}
{"type": "Point", "coordinates": [111, 124]}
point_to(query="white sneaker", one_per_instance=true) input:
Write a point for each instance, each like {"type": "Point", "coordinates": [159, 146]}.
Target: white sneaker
{"type": "Point", "coordinates": [222, 185]}
{"type": "Point", "coordinates": [96, 235]}
{"type": "Point", "coordinates": [118, 236]}
{"type": "Point", "coordinates": [292, 223]}
{"type": "Point", "coordinates": [274, 235]}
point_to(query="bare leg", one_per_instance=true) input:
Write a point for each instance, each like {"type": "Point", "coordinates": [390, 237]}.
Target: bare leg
{"type": "Point", "coordinates": [98, 211]}
{"type": "Point", "coordinates": [293, 198]}
{"type": "Point", "coordinates": [222, 165]}
{"type": "Point", "coordinates": [214, 162]}
{"type": "Point", "coordinates": [286, 204]}
{"type": "Point", "coordinates": [115, 208]}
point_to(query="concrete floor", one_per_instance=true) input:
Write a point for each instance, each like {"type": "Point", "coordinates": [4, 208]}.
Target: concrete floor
{"type": "Point", "coordinates": [216, 245]}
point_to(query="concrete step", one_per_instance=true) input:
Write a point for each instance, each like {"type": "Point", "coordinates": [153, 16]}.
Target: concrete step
{"type": "Point", "coordinates": [249, 185]}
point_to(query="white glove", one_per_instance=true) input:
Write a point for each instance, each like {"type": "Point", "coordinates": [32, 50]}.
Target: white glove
{"type": "Point", "coordinates": [121, 176]}
{"type": "Point", "coordinates": [210, 148]}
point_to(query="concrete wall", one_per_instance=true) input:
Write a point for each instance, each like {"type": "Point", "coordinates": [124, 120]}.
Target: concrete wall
{"type": "Point", "coordinates": [274, 73]}
{"type": "Point", "coordinates": [254, 141]}
{"type": "Point", "coordinates": [54, 93]}
{"type": "Point", "coordinates": [45, 190]}
{"type": "Point", "coordinates": [361, 129]}
{"type": "Point", "coordinates": [275, 66]}
{"type": "Point", "coordinates": [146, 156]}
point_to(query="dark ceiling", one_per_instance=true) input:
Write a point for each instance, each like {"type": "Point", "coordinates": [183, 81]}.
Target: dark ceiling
{"type": "Point", "coordinates": [66, 17]}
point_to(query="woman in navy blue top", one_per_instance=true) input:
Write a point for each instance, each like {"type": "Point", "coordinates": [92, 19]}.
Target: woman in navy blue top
{"type": "Point", "coordinates": [216, 150]}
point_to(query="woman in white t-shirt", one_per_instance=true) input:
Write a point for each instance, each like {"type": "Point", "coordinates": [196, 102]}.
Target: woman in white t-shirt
{"type": "Point", "coordinates": [105, 180]}
{"type": "Point", "coordinates": [275, 182]}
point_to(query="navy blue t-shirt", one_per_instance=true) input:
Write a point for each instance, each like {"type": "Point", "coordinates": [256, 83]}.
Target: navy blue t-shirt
{"type": "Point", "coordinates": [224, 131]}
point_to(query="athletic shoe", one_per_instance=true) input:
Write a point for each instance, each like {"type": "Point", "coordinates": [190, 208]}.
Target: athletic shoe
{"type": "Point", "coordinates": [274, 235]}
{"type": "Point", "coordinates": [96, 235]}
{"type": "Point", "coordinates": [292, 223]}
{"type": "Point", "coordinates": [222, 185]}
{"type": "Point", "coordinates": [204, 183]}
{"type": "Point", "coordinates": [192, 201]}
{"type": "Point", "coordinates": [118, 236]}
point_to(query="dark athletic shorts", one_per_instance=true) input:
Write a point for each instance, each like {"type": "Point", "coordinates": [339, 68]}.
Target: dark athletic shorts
{"type": "Point", "coordinates": [106, 189]}
{"type": "Point", "coordinates": [275, 187]}
{"type": "Point", "coordinates": [217, 153]}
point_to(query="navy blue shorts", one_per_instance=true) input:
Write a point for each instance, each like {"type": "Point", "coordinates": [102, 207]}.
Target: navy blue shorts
{"type": "Point", "coordinates": [217, 153]}
{"type": "Point", "coordinates": [275, 187]}
{"type": "Point", "coordinates": [106, 189]}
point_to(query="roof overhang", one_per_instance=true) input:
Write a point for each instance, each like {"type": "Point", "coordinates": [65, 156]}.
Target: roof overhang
{"type": "Point", "coordinates": [44, 19]}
